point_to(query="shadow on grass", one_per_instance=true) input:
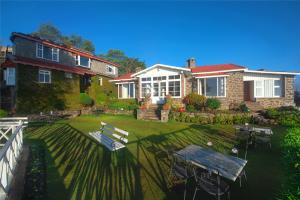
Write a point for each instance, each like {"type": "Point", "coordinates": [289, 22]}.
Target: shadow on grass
{"type": "Point", "coordinates": [90, 171]}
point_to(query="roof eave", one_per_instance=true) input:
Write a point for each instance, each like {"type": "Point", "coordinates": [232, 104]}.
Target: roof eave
{"type": "Point", "coordinates": [272, 72]}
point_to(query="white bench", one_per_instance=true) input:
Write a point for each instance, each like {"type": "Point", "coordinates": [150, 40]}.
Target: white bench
{"type": "Point", "coordinates": [111, 137]}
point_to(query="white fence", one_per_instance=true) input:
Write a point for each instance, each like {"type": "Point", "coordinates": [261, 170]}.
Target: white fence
{"type": "Point", "coordinates": [11, 142]}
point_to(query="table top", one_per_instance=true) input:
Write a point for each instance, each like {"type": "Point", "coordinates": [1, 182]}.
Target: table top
{"type": "Point", "coordinates": [227, 166]}
{"type": "Point", "coordinates": [267, 131]}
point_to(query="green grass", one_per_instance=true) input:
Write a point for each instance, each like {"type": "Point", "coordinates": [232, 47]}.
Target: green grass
{"type": "Point", "coordinates": [80, 168]}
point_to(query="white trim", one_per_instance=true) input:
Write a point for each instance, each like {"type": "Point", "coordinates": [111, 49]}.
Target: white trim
{"type": "Point", "coordinates": [122, 80]}
{"type": "Point", "coordinates": [77, 59]}
{"type": "Point", "coordinates": [128, 91]}
{"type": "Point", "coordinates": [211, 76]}
{"type": "Point", "coordinates": [200, 92]}
{"type": "Point", "coordinates": [44, 72]}
{"type": "Point", "coordinates": [42, 57]}
{"type": "Point", "coordinates": [272, 72]}
{"type": "Point", "coordinates": [161, 65]}
{"type": "Point", "coordinates": [123, 83]}
{"type": "Point", "coordinates": [220, 71]}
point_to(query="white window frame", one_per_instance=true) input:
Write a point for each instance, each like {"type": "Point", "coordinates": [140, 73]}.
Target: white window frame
{"type": "Point", "coordinates": [126, 83]}
{"type": "Point", "coordinates": [10, 76]}
{"type": "Point", "coordinates": [200, 92]}
{"type": "Point", "coordinates": [263, 88]}
{"type": "Point", "coordinates": [174, 80]}
{"type": "Point", "coordinates": [147, 81]}
{"type": "Point", "coordinates": [43, 71]}
{"type": "Point", "coordinates": [38, 45]}
{"type": "Point", "coordinates": [110, 67]}
{"type": "Point", "coordinates": [277, 86]}
{"type": "Point", "coordinates": [77, 61]}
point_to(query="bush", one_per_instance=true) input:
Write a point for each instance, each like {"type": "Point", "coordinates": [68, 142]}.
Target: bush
{"type": "Point", "coordinates": [291, 157]}
{"type": "Point", "coordinates": [232, 119]}
{"type": "Point", "coordinates": [190, 108]}
{"type": "Point", "coordinates": [3, 113]}
{"type": "Point", "coordinates": [243, 107]}
{"type": "Point", "coordinates": [85, 99]}
{"type": "Point", "coordinates": [123, 104]}
{"type": "Point", "coordinates": [213, 103]}
{"type": "Point", "coordinates": [196, 100]}
{"type": "Point", "coordinates": [285, 116]}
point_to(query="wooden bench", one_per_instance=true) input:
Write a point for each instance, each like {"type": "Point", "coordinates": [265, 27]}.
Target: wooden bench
{"type": "Point", "coordinates": [111, 137]}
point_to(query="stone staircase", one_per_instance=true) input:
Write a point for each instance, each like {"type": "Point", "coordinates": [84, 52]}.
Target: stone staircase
{"type": "Point", "coordinates": [254, 106]}
{"type": "Point", "coordinates": [153, 113]}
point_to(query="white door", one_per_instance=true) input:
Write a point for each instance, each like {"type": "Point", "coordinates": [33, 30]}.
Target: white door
{"type": "Point", "coordinates": [158, 92]}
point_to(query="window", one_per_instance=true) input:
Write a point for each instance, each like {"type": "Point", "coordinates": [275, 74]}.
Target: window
{"type": "Point", "coordinates": [259, 89]}
{"type": "Point", "coordinates": [146, 89]}
{"type": "Point", "coordinates": [100, 81]}
{"type": "Point", "coordinates": [163, 89]}
{"type": "Point", "coordinates": [268, 88]}
{"type": "Point", "coordinates": [212, 87]}
{"type": "Point", "coordinates": [110, 69]}
{"type": "Point", "coordinates": [47, 52]}
{"type": "Point", "coordinates": [68, 75]}
{"type": "Point", "coordinates": [126, 91]}
{"type": "Point", "coordinates": [10, 76]}
{"type": "Point", "coordinates": [44, 76]}
{"type": "Point", "coordinates": [146, 79]}
{"type": "Point", "coordinates": [277, 88]}
{"type": "Point", "coordinates": [83, 61]}
{"type": "Point", "coordinates": [174, 85]}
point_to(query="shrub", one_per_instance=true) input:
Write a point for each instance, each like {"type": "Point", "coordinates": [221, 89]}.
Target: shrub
{"type": "Point", "coordinates": [85, 99]}
{"type": "Point", "coordinates": [213, 103]}
{"type": "Point", "coordinates": [232, 119]}
{"type": "Point", "coordinates": [285, 116]}
{"type": "Point", "coordinates": [196, 100]}
{"type": "Point", "coordinates": [190, 108]}
{"type": "Point", "coordinates": [3, 113]}
{"type": "Point", "coordinates": [123, 104]}
{"type": "Point", "coordinates": [291, 157]}
{"type": "Point", "coordinates": [243, 107]}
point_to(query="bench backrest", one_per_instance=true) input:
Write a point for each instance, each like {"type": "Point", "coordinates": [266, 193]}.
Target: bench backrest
{"type": "Point", "coordinates": [114, 132]}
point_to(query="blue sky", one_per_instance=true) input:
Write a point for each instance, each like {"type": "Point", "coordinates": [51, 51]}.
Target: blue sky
{"type": "Point", "coordinates": [253, 34]}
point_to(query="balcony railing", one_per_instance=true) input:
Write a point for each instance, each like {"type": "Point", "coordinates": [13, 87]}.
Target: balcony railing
{"type": "Point", "coordinates": [11, 143]}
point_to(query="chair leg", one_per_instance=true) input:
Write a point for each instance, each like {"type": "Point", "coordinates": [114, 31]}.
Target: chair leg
{"type": "Point", "coordinates": [245, 175]}
{"type": "Point", "coordinates": [195, 193]}
{"type": "Point", "coordinates": [240, 181]}
{"type": "Point", "coordinates": [228, 195]}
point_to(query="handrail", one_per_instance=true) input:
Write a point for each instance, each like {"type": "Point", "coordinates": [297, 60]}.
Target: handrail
{"type": "Point", "coordinates": [9, 154]}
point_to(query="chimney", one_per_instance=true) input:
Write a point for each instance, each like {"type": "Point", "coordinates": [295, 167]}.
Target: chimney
{"type": "Point", "coordinates": [191, 63]}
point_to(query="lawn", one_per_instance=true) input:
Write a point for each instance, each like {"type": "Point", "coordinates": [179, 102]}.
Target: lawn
{"type": "Point", "coordinates": [80, 168]}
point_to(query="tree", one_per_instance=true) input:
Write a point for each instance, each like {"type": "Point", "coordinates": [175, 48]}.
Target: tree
{"type": "Point", "coordinates": [50, 32]}
{"type": "Point", "coordinates": [127, 64]}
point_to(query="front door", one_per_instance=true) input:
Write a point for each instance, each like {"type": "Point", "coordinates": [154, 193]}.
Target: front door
{"type": "Point", "coordinates": [158, 92]}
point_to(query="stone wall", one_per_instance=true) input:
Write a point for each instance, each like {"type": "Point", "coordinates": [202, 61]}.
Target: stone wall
{"type": "Point", "coordinates": [234, 90]}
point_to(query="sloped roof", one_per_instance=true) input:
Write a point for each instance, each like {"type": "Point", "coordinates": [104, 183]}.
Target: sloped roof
{"type": "Point", "coordinates": [12, 60]}
{"type": "Point", "coordinates": [124, 77]}
{"type": "Point", "coordinates": [216, 68]}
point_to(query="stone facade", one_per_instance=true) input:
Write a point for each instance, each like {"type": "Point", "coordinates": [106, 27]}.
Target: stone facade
{"type": "Point", "coordinates": [286, 100]}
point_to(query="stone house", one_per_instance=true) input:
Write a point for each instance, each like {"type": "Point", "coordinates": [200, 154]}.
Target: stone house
{"type": "Point", "coordinates": [231, 84]}
{"type": "Point", "coordinates": [41, 75]}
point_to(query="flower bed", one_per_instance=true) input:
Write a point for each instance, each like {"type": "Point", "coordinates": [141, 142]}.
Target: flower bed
{"type": "Point", "coordinates": [35, 182]}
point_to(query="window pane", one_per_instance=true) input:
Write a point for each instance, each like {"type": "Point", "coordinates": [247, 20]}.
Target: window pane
{"type": "Point", "coordinates": [277, 92]}
{"type": "Point", "coordinates": [202, 87]}
{"type": "Point", "coordinates": [41, 78]}
{"type": "Point", "coordinates": [125, 91]}
{"type": "Point", "coordinates": [277, 83]}
{"type": "Point", "coordinates": [177, 77]}
{"type": "Point", "coordinates": [211, 87]}
{"type": "Point", "coordinates": [40, 51]}
{"type": "Point", "coordinates": [221, 86]}
{"type": "Point", "coordinates": [55, 54]}
{"type": "Point", "coordinates": [131, 94]}
{"type": "Point", "coordinates": [47, 53]}
{"type": "Point", "coordinates": [163, 89]}
{"type": "Point", "coordinates": [84, 61]}
{"type": "Point", "coordinates": [47, 78]}
{"type": "Point", "coordinates": [171, 77]}
{"type": "Point", "coordinates": [155, 89]}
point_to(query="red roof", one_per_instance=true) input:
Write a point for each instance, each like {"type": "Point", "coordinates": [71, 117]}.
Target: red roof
{"type": "Point", "coordinates": [46, 64]}
{"type": "Point", "coordinates": [62, 46]}
{"type": "Point", "coordinates": [215, 68]}
{"type": "Point", "coordinates": [211, 74]}
{"type": "Point", "coordinates": [123, 77]}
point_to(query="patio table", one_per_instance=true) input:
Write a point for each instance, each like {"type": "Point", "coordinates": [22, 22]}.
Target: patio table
{"type": "Point", "coordinates": [226, 166]}
{"type": "Point", "coordinates": [267, 131]}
